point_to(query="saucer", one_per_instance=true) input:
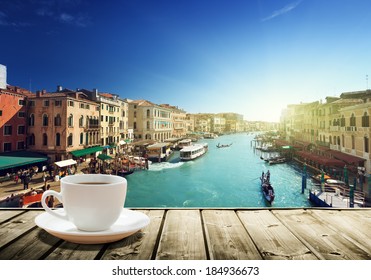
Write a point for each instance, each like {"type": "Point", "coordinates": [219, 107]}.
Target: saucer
{"type": "Point", "coordinates": [128, 223]}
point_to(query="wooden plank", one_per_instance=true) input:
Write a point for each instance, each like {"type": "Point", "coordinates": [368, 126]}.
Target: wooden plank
{"type": "Point", "coordinates": [182, 236]}
{"type": "Point", "coordinates": [5, 215]}
{"type": "Point", "coordinates": [16, 227]}
{"type": "Point", "coordinates": [325, 242]}
{"type": "Point", "coordinates": [226, 237]}
{"type": "Point", "coordinates": [72, 251]}
{"type": "Point", "coordinates": [139, 246]}
{"type": "Point", "coordinates": [30, 247]}
{"type": "Point", "coordinates": [356, 229]}
{"type": "Point", "coordinates": [273, 239]}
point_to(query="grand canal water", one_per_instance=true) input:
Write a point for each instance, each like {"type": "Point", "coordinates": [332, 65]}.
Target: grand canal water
{"type": "Point", "coordinates": [226, 177]}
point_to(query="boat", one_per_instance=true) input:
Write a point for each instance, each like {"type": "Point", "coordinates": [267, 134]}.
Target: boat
{"type": "Point", "coordinates": [184, 143]}
{"type": "Point", "coordinates": [277, 161]}
{"type": "Point", "coordinates": [224, 145]}
{"type": "Point", "coordinates": [267, 189]}
{"type": "Point", "coordinates": [193, 151]}
{"type": "Point", "coordinates": [124, 173]}
{"type": "Point", "coordinates": [159, 152]}
{"type": "Point", "coordinates": [210, 135]}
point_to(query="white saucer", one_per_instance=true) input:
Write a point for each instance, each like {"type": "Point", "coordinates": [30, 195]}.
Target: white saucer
{"type": "Point", "coordinates": [128, 223]}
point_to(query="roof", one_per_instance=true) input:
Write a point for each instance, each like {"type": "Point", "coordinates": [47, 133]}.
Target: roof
{"type": "Point", "coordinates": [66, 162]}
{"type": "Point", "coordinates": [20, 158]}
{"type": "Point", "coordinates": [157, 145]}
{"type": "Point", "coordinates": [349, 159]}
{"type": "Point", "coordinates": [104, 157]}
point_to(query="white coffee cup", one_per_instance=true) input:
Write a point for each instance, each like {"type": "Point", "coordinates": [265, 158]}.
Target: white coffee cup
{"type": "Point", "coordinates": [93, 202]}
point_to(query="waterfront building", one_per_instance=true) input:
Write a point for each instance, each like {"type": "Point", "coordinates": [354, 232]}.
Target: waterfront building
{"type": "Point", "coordinates": [62, 122]}
{"type": "Point", "coordinates": [13, 118]}
{"type": "Point", "coordinates": [178, 121]}
{"type": "Point", "coordinates": [150, 121]}
{"type": "Point", "coordinates": [126, 133]}
{"type": "Point", "coordinates": [202, 122]}
{"type": "Point", "coordinates": [190, 123]}
{"type": "Point", "coordinates": [217, 124]}
{"type": "Point", "coordinates": [233, 122]}
{"type": "Point", "coordinates": [110, 114]}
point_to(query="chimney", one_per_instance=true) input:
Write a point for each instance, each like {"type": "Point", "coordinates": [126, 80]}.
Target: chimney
{"type": "Point", "coordinates": [59, 88]}
{"type": "Point", "coordinates": [2, 76]}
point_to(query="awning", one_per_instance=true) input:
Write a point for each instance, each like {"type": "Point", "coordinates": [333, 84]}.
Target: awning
{"type": "Point", "coordinates": [104, 157]}
{"type": "Point", "coordinates": [349, 159]}
{"type": "Point", "coordinates": [87, 151]}
{"type": "Point", "coordinates": [20, 158]}
{"type": "Point", "coordinates": [66, 162]}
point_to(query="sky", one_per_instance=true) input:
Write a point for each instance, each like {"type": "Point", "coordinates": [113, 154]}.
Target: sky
{"type": "Point", "coordinates": [251, 57]}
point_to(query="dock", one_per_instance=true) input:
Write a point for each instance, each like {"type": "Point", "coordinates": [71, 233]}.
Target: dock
{"type": "Point", "coordinates": [205, 234]}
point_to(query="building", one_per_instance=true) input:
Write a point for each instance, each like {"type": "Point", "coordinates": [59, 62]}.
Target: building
{"type": "Point", "coordinates": [62, 122]}
{"type": "Point", "coordinates": [150, 121]}
{"type": "Point", "coordinates": [13, 118]}
{"type": "Point", "coordinates": [178, 120]}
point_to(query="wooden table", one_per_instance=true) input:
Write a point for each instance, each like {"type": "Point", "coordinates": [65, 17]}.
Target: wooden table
{"type": "Point", "coordinates": [197, 234]}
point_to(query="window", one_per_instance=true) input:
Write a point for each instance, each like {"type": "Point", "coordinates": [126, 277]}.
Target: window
{"type": "Point", "coordinates": [21, 114]}
{"type": "Point", "coordinates": [31, 103]}
{"type": "Point", "coordinates": [366, 144]}
{"type": "Point", "coordinates": [353, 142]}
{"type": "Point", "coordinates": [69, 140]}
{"type": "Point", "coordinates": [81, 138]}
{"type": "Point", "coordinates": [31, 120]}
{"type": "Point", "coordinates": [7, 130]}
{"type": "Point", "coordinates": [87, 106]}
{"type": "Point", "coordinates": [70, 120]}
{"type": "Point", "coordinates": [58, 139]}
{"type": "Point", "coordinates": [21, 102]}
{"type": "Point", "coordinates": [135, 114]}
{"type": "Point", "coordinates": [135, 125]}
{"type": "Point", "coordinates": [148, 113]}
{"type": "Point", "coordinates": [58, 120]}
{"type": "Point", "coordinates": [46, 103]}
{"type": "Point", "coordinates": [71, 104]}
{"type": "Point", "coordinates": [365, 120]}
{"type": "Point", "coordinates": [1, 113]}
{"type": "Point", "coordinates": [21, 129]}
{"type": "Point", "coordinates": [148, 125]}
{"type": "Point", "coordinates": [58, 103]}
{"type": "Point", "coordinates": [31, 140]}
{"type": "Point", "coordinates": [82, 106]}
{"type": "Point", "coordinates": [20, 145]}
{"type": "Point", "coordinates": [352, 120]}
{"type": "Point", "coordinates": [7, 147]}
{"type": "Point", "coordinates": [45, 120]}
{"type": "Point", "coordinates": [45, 139]}
{"type": "Point", "coordinates": [81, 121]}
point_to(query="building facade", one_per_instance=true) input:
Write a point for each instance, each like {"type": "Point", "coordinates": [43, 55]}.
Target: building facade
{"type": "Point", "coordinates": [150, 121]}
{"type": "Point", "coordinates": [62, 122]}
{"type": "Point", "coordinates": [13, 119]}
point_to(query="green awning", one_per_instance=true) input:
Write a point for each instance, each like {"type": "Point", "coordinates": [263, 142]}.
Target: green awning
{"type": "Point", "coordinates": [104, 157]}
{"type": "Point", "coordinates": [20, 158]}
{"type": "Point", "coordinates": [87, 151]}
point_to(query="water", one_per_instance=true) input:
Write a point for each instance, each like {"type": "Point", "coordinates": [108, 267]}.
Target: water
{"type": "Point", "coordinates": [223, 177]}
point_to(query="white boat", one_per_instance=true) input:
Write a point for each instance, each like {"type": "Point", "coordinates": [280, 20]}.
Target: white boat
{"type": "Point", "coordinates": [193, 151]}
{"type": "Point", "coordinates": [184, 143]}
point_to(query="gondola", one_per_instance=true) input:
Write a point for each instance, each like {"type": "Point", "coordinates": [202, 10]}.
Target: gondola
{"type": "Point", "coordinates": [223, 146]}
{"type": "Point", "coordinates": [266, 187]}
{"type": "Point", "coordinates": [124, 173]}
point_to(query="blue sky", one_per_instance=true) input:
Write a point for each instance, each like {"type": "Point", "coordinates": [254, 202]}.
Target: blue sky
{"type": "Point", "coordinates": [252, 57]}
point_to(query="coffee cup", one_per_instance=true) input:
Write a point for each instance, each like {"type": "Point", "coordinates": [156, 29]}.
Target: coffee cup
{"type": "Point", "coordinates": [92, 202]}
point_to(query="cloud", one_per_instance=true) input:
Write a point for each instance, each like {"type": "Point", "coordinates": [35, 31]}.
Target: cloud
{"type": "Point", "coordinates": [282, 11]}
{"type": "Point", "coordinates": [77, 20]}
{"type": "Point", "coordinates": [4, 21]}
{"type": "Point", "coordinates": [61, 11]}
